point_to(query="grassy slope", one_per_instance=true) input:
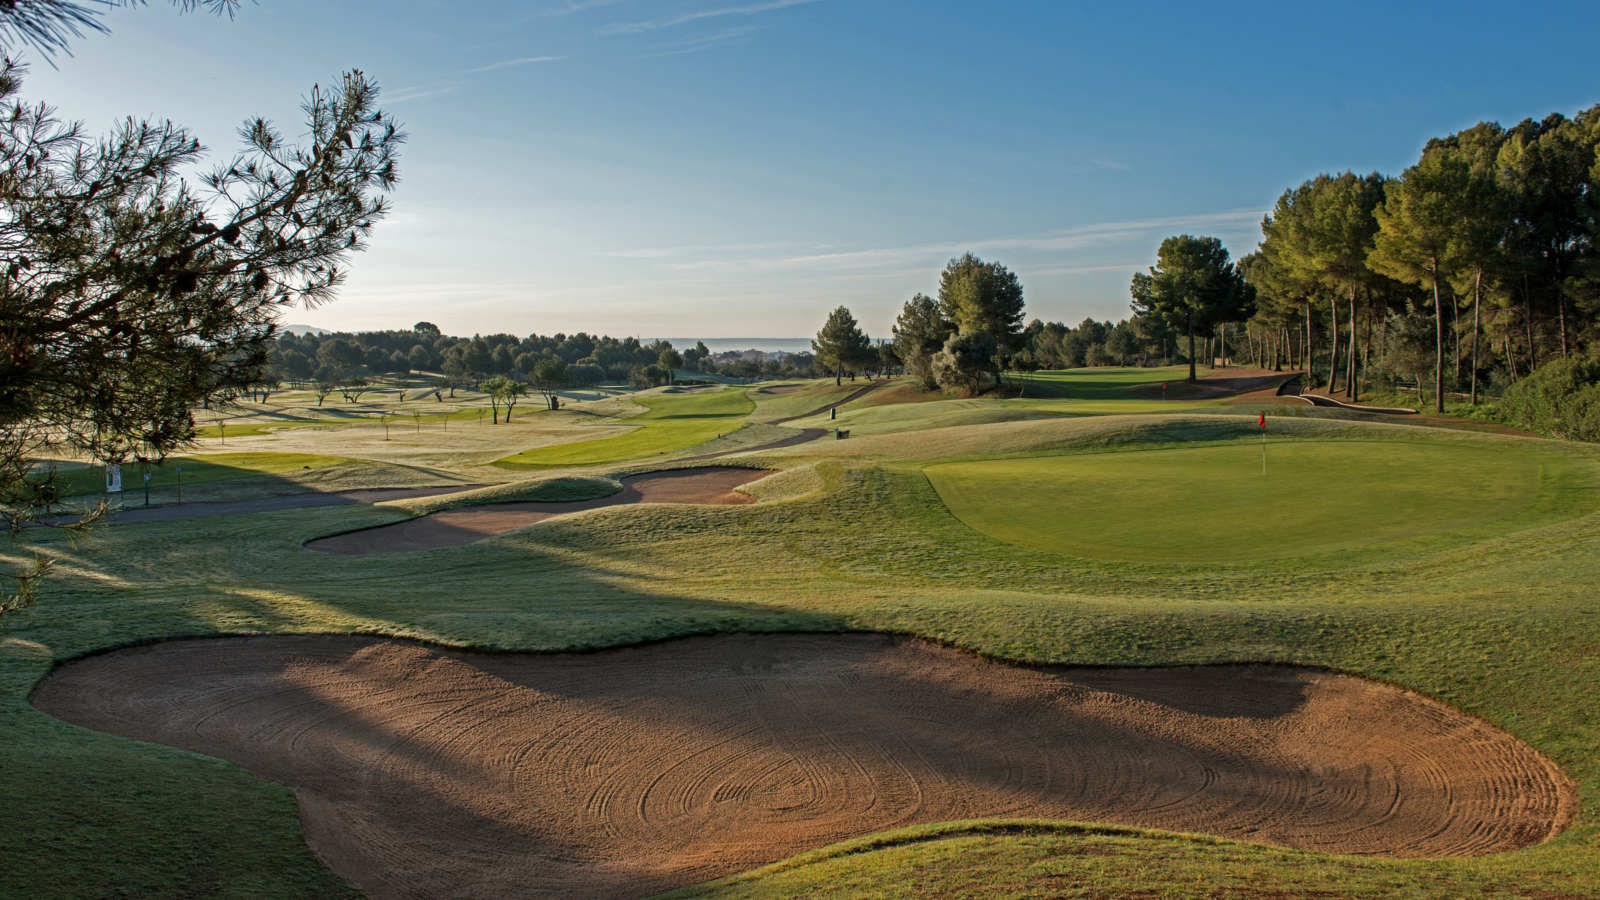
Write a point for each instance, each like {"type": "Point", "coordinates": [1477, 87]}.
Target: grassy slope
{"type": "Point", "coordinates": [672, 422]}
{"type": "Point", "coordinates": [795, 399]}
{"type": "Point", "coordinates": [1505, 627]}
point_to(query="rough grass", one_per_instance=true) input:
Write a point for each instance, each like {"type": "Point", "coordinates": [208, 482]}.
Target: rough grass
{"type": "Point", "coordinates": [1505, 625]}
{"type": "Point", "coordinates": [672, 422]}
{"type": "Point", "coordinates": [192, 471]}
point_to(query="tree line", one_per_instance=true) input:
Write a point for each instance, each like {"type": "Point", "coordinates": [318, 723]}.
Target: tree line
{"type": "Point", "coordinates": [1473, 268]}
{"type": "Point", "coordinates": [347, 363]}
{"type": "Point", "coordinates": [972, 333]}
{"type": "Point", "coordinates": [583, 359]}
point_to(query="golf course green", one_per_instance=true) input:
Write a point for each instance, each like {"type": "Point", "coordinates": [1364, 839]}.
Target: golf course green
{"type": "Point", "coordinates": [1426, 555]}
{"type": "Point", "coordinates": [1246, 500]}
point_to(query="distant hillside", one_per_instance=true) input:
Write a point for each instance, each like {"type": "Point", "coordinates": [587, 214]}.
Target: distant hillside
{"type": "Point", "coordinates": [304, 330]}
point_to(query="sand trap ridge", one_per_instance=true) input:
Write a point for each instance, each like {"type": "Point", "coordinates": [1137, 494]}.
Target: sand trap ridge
{"type": "Point", "coordinates": [454, 527]}
{"type": "Point", "coordinates": [422, 772]}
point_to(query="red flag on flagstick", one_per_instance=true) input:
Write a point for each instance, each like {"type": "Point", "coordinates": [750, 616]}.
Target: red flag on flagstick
{"type": "Point", "coordinates": [1262, 421]}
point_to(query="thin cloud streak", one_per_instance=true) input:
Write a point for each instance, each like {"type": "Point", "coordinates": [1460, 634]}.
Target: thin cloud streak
{"type": "Point", "coordinates": [701, 15]}
{"type": "Point", "coordinates": [406, 95]}
{"type": "Point", "coordinates": [578, 6]}
{"type": "Point", "coordinates": [1058, 241]}
{"type": "Point", "coordinates": [702, 44]}
{"type": "Point", "coordinates": [519, 61]}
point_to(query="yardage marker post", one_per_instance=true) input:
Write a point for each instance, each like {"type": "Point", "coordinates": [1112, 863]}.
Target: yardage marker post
{"type": "Point", "coordinates": [1261, 420]}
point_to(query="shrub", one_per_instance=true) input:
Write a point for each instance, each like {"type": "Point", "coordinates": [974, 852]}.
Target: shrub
{"type": "Point", "coordinates": [1561, 399]}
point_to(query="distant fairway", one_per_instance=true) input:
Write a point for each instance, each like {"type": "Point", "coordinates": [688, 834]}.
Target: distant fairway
{"type": "Point", "coordinates": [1212, 504]}
{"type": "Point", "coordinates": [674, 422]}
{"type": "Point", "coordinates": [1102, 383]}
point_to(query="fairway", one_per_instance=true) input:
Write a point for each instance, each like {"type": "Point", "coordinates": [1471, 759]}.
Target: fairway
{"type": "Point", "coordinates": [673, 422]}
{"type": "Point", "coordinates": [1214, 504]}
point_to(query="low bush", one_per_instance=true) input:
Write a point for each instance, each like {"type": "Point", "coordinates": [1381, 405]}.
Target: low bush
{"type": "Point", "coordinates": [1560, 399]}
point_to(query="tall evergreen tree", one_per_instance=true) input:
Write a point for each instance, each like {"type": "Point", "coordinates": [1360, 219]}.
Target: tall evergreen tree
{"type": "Point", "coordinates": [1193, 285]}
{"type": "Point", "coordinates": [1416, 223]}
{"type": "Point", "coordinates": [980, 297]}
{"type": "Point", "coordinates": [919, 333]}
{"type": "Point", "coordinates": [841, 345]}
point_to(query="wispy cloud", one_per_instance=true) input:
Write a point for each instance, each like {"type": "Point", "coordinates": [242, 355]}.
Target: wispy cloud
{"type": "Point", "coordinates": [706, 249]}
{"type": "Point", "coordinates": [704, 43]}
{"type": "Point", "coordinates": [751, 9]}
{"type": "Point", "coordinates": [519, 61]}
{"type": "Point", "coordinates": [437, 89]}
{"type": "Point", "coordinates": [578, 6]}
{"type": "Point", "coordinates": [1042, 245]}
{"type": "Point", "coordinates": [406, 95]}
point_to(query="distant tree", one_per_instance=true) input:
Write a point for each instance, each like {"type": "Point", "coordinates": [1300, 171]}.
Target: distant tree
{"type": "Point", "coordinates": [550, 375]}
{"type": "Point", "coordinates": [919, 333]}
{"type": "Point", "coordinates": [1193, 285]}
{"type": "Point", "coordinates": [503, 392]}
{"type": "Point", "coordinates": [426, 329]}
{"type": "Point", "coordinates": [351, 389]}
{"type": "Point", "coordinates": [647, 376]}
{"type": "Point", "coordinates": [418, 359]}
{"type": "Point", "coordinates": [671, 360]}
{"type": "Point", "coordinates": [339, 355]}
{"type": "Point", "coordinates": [293, 364]}
{"type": "Point", "coordinates": [693, 356]}
{"type": "Point", "coordinates": [501, 362]}
{"type": "Point", "coordinates": [455, 364]}
{"type": "Point", "coordinates": [888, 359]}
{"type": "Point", "coordinates": [841, 345]}
{"type": "Point", "coordinates": [966, 361]}
{"type": "Point", "coordinates": [978, 296]}
{"type": "Point", "coordinates": [1122, 343]}
{"type": "Point", "coordinates": [586, 374]}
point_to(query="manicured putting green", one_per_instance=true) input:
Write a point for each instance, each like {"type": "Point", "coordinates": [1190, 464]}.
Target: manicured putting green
{"type": "Point", "coordinates": [1213, 504]}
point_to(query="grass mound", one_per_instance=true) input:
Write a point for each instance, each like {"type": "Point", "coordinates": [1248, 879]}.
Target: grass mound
{"type": "Point", "coordinates": [1214, 504]}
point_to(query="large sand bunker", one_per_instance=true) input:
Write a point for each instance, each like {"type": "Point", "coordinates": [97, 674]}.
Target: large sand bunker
{"type": "Point", "coordinates": [474, 523]}
{"type": "Point", "coordinates": [422, 772]}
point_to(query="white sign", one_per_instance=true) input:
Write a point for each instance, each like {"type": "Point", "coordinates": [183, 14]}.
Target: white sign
{"type": "Point", "coordinates": [113, 479]}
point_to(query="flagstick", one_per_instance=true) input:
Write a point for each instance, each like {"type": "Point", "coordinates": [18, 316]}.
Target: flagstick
{"type": "Point", "coordinates": [1263, 451]}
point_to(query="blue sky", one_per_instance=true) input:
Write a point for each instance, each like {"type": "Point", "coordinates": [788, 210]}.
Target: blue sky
{"type": "Point", "coordinates": [740, 167]}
